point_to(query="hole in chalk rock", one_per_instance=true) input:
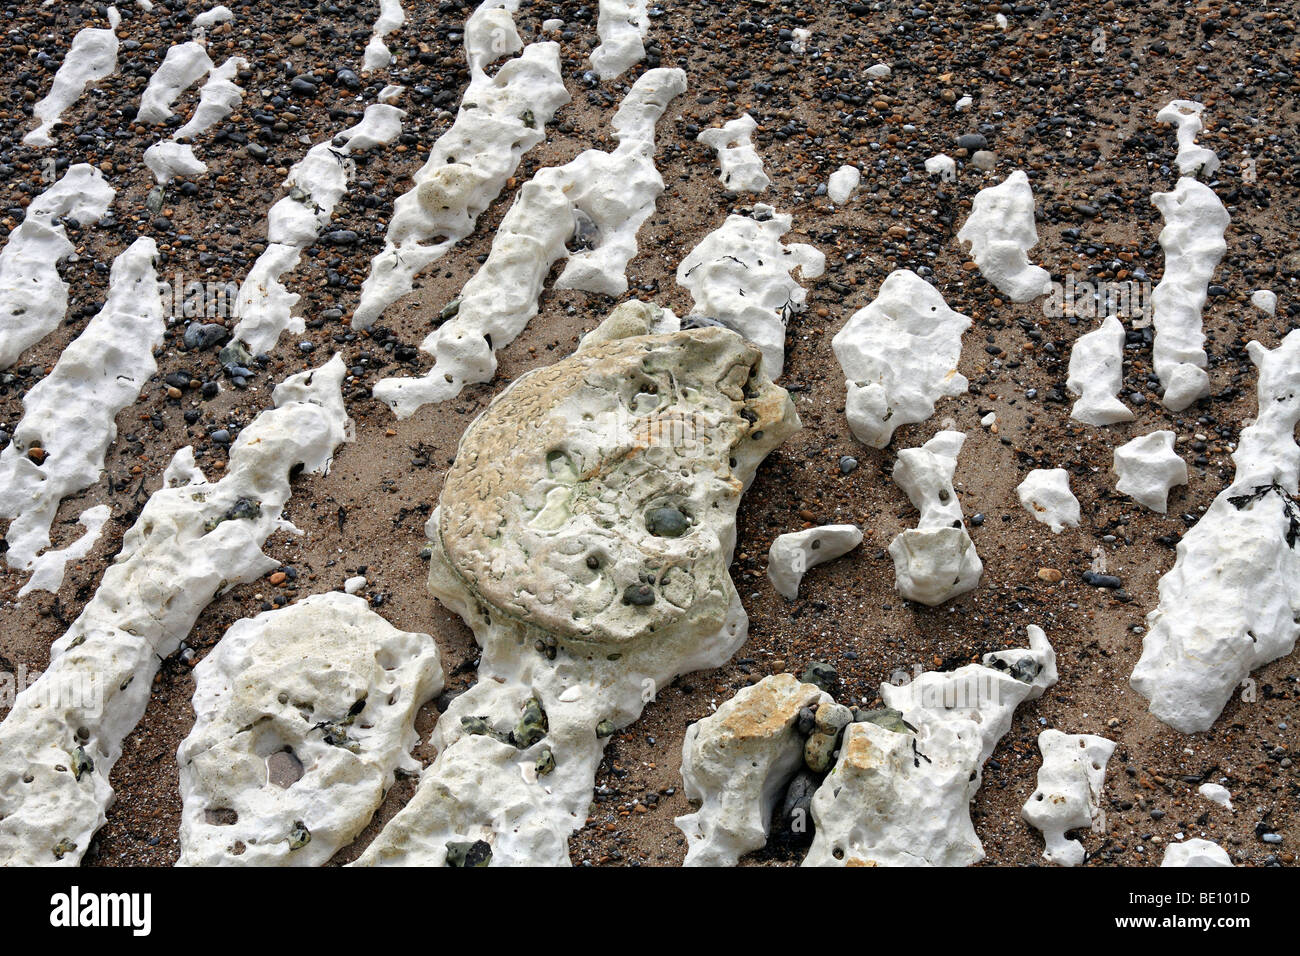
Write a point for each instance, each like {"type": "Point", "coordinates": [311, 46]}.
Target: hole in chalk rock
{"type": "Point", "coordinates": [221, 817]}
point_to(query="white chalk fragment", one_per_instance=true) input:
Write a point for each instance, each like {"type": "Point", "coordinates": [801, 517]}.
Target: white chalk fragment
{"type": "Point", "coordinates": [1265, 300]}
{"type": "Point", "coordinates": [741, 166]}
{"type": "Point", "coordinates": [355, 584]}
{"type": "Point", "coordinates": [794, 553]}
{"type": "Point", "coordinates": [183, 65]}
{"type": "Point", "coordinates": [842, 182]}
{"type": "Point", "coordinates": [1068, 795]}
{"type": "Point", "coordinates": [942, 165]}
{"type": "Point", "coordinates": [736, 763]}
{"type": "Point", "coordinates": [1192, 239]}
{"type": "Point", "coordinates": [1148, 467]}
{"type": "Point", "coordinates": [33, 296]}
{"type": "Point", "coordinates": [1192, 160]}
{"type": "Point", "coordinates": [302, 717]}
{"type": "Point", "coordinates": [377, 56]}
{"type": "Point", "coordinates": [1230, 602]}
{"type": "Point", "coordinates": [621, 26]}
{"type": "Point", "coordinates": [998, 235]}
{"type": "Point", "coordinates": [1196, 852]}
{"type": "Point", "coordinates": [741, 276]}
{"type": "Point", "coordinates": [1216, 793]}
{"type": "Point", "coordinates": [899, 355]}
{"type": "Point", "coordinates": [936, 560]}
{"type": "Point", "coordinates": [92, 56]}
{"type": "Point", "coordinates": [1097, 374]}
{"type": "Point", "coordinates": [1045, 494]}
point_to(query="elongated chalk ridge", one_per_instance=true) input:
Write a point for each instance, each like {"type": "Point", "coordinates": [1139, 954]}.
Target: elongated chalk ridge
{"type": "Point", "coordinates": [183, 65]}
{"type": "Point", "coordinates": [69, 417]}
{"type": "Point", "coordinates": [1097, 375]}
{"type": "Point", "coordinates": [900, 792]}
{"type": "Point", "coordinates": [1231, 601]}
{"type": "Point", "coordinates": [621, 26]}
{"type": "Point", "coordinates": [217, 99]}
{"type": "Point", "coordinates": [193, 539]}
{"type": "Point", "coordinates": [1068, 795]}
{"type": "Point", "coordinates": [740, 276]}
{"type": "Point", "coordinates": [33, 296]}
{"type": "Point", "coordinates": [377, 55]}
{"type": "Point", "coordinates": [302, 717]}
{"type": "Point", "coordinates": [501, 117]}
{"type": "Point", "coordinates": [1195, 221]}
{"type": "Point", "coordinates": [936, 560]}
{"type": "Point", "coordinates": [316, 183]}
{"type": "Point", "coordinates": [47, 567]}
{"type": "Point", "coordinates": [1192, 160]}
{"type": "Point", "coordinates": [998, 235]}
{"type": "Point", "coordinates": [741, 168]}
{"type": "Point", "coordinates": [92, 56]}
{"type": "Point", "coordinates": [583, 533]}
{"type": "Point", "coordinates": [899, 355]}
{"type": "Point", "coordinates": [596, 203]}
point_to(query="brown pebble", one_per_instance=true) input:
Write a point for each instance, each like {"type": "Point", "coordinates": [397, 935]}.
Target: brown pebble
{"type": "Point", "coordinates": [1050, 575]}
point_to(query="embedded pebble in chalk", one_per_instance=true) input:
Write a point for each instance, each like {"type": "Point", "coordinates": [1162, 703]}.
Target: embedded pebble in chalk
{"type": "Point", "coordinates": [741, 166]}
{"type": "Point", "coordinates": [842, 183]}
{"type": "Point", "coordinates": [33, 296]}
{"type": "Point", "coordinates": [794, 553]}
{"type": "Point", "coordinates": [92, 56]}
{"type": "Point", "coordinates": [70, 416]}
{"type": "Point", "coordinates": [597, 202]}
{"type": "Point", "coordinates": [1265, 300]}
{"type": "Point", "coordinates": [1185, 116]}
{"type": "Point", "coordinates": [1228, 605]}
{"type": "Point", "coordinates": [193, 539]}
{"type": "Point", "coordinates": [741, 276]}
{"type": "Point", "coordinates": [501, 117]}
{"type": "Point", "coordinates": [1193, 242]}
{"type": "Point", "coordinates": [1045, 494]}
{"type": "Point", "coordinates": [1034, 665]}
{"type": "Point", "coordinates": [883, 805]}
{"type": "Point", "coordinates": [936, 560]}
{"type": "Point", "coordinates": [737, 762]}
{"type": "Point", "coordinates": [1216, 793]}
{"type": "Point", "coordinates": [1097, 375]}
{"type": "Point", "coordinates": [999, 233]}
{"type": "Point", "coordinates": [552, 540]}
{"type": "Point", "coordinates": [1148, 467]}
{"type": "Point", "coordinates": [1196, 852]}
{"type": "Point", "coordinates": [331, 690]}
{"type": "Point", "coordinates": [1068, 796]}
{"type": "Point", "coordinates": [899, 355]}
{"type": "Point", "coordinates": [621, 26]}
